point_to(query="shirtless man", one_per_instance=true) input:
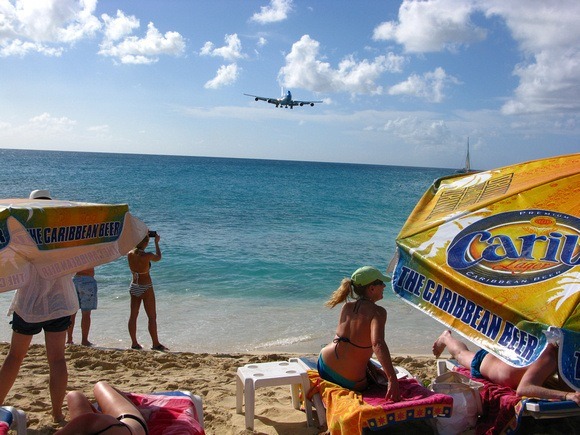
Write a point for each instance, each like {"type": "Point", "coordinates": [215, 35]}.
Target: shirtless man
{"type": "Point", "coordinates": [527, 381]}
{"type": "Point", "coordinates": [141, 289]}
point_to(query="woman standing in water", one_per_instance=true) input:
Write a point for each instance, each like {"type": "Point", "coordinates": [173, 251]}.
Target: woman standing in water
{"type": "Point", "coordinates": [141, 289]}
{"type": "Point", "coordinates": [359, 334]}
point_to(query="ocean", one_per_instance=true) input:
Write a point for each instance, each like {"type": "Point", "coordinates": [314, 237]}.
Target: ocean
{"type": "Point", "coordinates": [251, 248]}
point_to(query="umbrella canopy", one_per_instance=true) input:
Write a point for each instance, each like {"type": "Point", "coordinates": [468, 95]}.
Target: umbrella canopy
{"type": "Point", "coordinates": [494, 255]}
{"type": "Point", "coordinates": [53, 238]}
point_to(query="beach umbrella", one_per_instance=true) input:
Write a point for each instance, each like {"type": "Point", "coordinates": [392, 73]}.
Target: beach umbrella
{"type": "Point", "coordinates": [53, 238]}
{"type": "Point", "coordinates": [494, 255]}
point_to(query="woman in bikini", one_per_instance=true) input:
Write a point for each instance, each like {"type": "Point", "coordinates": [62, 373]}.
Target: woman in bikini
{"type": "Point", "coordinates": [141, 289]}
{"type": "Point", "coordinates": [118, 415]}
{"type": "Point", "coordinates": [360, 333]}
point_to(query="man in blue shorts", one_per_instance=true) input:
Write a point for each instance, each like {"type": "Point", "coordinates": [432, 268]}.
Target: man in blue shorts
{"type": "Point", "coordinates": [86, 287]}
{"type": "Point", "coordinates": [534, 380]}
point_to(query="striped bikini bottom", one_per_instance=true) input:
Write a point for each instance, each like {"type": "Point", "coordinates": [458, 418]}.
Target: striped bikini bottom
{"type": "Point", "coordinates": [138, 289]}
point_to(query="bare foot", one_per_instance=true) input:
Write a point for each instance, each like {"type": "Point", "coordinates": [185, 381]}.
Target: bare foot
{"type": "Point", "coordinates": [68, 343]}
{"type": "Point", "coordinates": [87, 343]}
{"type": "Point", "coordinates": [59, 419]}
{"type": "Point", "coordinates": [440, 343]}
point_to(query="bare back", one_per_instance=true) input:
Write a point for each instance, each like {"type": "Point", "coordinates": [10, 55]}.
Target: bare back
{"type": "Point", "coordinates": [359, 325]}
{"type": "Point", "coordinates": [139, 264]}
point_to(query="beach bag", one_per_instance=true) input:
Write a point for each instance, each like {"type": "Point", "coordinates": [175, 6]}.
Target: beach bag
{"type": "Point", "coordinates": [466, 402]}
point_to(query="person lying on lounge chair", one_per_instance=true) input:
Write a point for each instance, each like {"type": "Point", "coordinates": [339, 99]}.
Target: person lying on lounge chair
{"type": "Point", "coordinates": [360, 333]}
{"type": "Point", "coordinates": [532, 381]}
{"type": "Point", "coordinates": [118, 417]}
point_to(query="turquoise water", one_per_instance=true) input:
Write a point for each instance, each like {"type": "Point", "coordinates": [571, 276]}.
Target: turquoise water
{"type": "Point", "coordinates": [251, 248]}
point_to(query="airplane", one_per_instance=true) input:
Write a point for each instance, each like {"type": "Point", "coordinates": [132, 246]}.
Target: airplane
{"type": "Point", "coordinates": [286, 101]}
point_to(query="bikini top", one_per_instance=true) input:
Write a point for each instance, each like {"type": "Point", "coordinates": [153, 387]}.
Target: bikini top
{"type": "Point", "coordinates": [340, 339]}
{"type": "Point", "coordinates": [137, 274]}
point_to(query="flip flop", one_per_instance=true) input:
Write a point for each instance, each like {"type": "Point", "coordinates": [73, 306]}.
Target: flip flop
{"type": "Point", "coordinates": [160, 348]}
{"type": "Point", "coordinates": [137, 347]}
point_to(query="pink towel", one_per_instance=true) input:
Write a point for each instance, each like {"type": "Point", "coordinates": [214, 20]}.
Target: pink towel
{"type": "Point", "coordinates": [168, 415]}
{"type": "Point", "coordinates": [3, 428]}
{"type": "Point", "coordinates": [499, 415]}
{"type": "Point", "coordinates": [348, 412]}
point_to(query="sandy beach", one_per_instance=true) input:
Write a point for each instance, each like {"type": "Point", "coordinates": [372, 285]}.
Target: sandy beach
{"type": "Point", "coordinates": [212, 376]}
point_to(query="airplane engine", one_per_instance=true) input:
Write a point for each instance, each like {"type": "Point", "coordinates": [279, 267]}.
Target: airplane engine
{"type": "Point", "coordinates": [312, 104]}
{"type": "Point", "coordinates": [301, 104]}
{"type": "Point", "coordinates": [256, 98]}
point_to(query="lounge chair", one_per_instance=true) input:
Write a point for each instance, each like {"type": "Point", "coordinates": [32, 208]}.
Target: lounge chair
{"type": "Point", "coordinates": [351, 412]}
{"type": "Point", "coordinates": [12, 419]}
{"type": "Point", "coordinates": [503, 409]}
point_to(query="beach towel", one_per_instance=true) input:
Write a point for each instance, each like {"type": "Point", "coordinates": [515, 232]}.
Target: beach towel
{"type": "Point", "coordinates": [501, 407]}
{"type": "Point", "coordinates": [349, 412]}
{"type": "Point", "coordinates": [167, 415]}
{"type": "Point", "coordinates": [3, 428]}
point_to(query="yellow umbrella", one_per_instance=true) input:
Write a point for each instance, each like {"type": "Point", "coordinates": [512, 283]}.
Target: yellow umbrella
{"type": "Point", "coordinates": [53, 238]}
{"type": "Point", "coordinates": [494, 255]}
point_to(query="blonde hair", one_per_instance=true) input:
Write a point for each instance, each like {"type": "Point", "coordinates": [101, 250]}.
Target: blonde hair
{"type": "Point", "coordinates": [346, 290]}
{"type": "Point", "coordinates": [143, 243]}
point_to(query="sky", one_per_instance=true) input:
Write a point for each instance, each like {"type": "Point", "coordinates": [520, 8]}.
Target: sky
{"type": "Point", "coordinates": [402, 82]}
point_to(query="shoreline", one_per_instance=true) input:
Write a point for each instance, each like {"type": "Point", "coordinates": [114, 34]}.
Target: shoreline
{"type": "Point", "coordinates": [209, 375]}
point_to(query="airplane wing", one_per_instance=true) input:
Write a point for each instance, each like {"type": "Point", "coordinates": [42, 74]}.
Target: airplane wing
{"type": "Point", "coordinates": [259, 98]}
{"type": "Point", "coordinates": [305, 103]}
{"type": "Point", "coordinates": [275, 101]}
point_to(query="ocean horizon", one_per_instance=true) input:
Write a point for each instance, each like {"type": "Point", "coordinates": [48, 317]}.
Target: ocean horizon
{"type": "Point", "coordinates": [251, 248]}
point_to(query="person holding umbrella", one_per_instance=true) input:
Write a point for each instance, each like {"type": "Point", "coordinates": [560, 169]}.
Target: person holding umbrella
{"type": "Point", "coordinates": [47, 305]}
{"type": "Point", "coordinates": [360, 333]}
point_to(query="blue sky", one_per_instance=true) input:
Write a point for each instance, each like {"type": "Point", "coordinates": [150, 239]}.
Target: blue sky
{"type": "Point", "coordinates": [403, 83]}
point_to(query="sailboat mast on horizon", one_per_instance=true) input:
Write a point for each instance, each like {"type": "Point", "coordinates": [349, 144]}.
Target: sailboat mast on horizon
{"type": "Point", "coordinates": [467, 167]}
{"type": "Point", "coordinates": [467, 161]}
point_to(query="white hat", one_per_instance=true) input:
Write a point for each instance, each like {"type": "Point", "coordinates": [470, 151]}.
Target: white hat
{"type": "Point", "coordinates": [40, 194]}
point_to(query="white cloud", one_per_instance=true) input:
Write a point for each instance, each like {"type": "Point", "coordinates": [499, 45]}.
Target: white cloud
{"type": "Point", "coordinates": [44, 26]}
{"type": "Point", "coordinates": [277, 11]}
{"type": "Point", "coordinates": [48, 26]}
{"type": "Point", "coordinates": [431, 26]}
{"type": "Point", "coordinates": [144, 50]}
{"type": "Point", "coordinates": [549, 36]}
{"type": "Point", "coordinates": [230, 52]}
{"type": "Point", "coordinates": [262, 41]}
{"type": "Point", "coordinates": [16, 47]}
{"type": "Point", "coordinates": [226, 75]}
{"type": "Point", "coordinates": [47, 122]}
{"type": "Point", "coordinates": [428, 86]}
{"type": "Point", "coordinates": [303, 69]}
{"type": "Point", "coordinates": [104, 128]}
{"type": "Point", "coordinates": [119, 26]}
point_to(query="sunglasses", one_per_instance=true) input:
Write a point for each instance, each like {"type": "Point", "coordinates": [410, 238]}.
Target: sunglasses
{"type": "Point", "coordinates": [378, 282]}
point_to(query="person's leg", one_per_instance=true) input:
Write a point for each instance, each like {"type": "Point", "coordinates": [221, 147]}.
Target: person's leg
{"type": "Point", "coordinates": [456, 348]}
{"type": "Point", "coordinates": [78, 404]}
{"type": "Point", "coordinates": [58, 378]}
{"type": "Point", "coordinates": [11, 366]}
{"type": "Point", "coordinates": [85, 327]}
{"type": "Point", "coordinates": [151, 310]}
{"type": "Point", "coordinates": [70, 330]}
{"type": "Point", "coordinates": [132, 325]}
{"type": "Point", "coordinates": [113, 402]}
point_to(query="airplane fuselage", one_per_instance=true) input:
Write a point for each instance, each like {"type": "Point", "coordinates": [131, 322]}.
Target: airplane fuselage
{"type": "Point", "coordinates": [285, 101]}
